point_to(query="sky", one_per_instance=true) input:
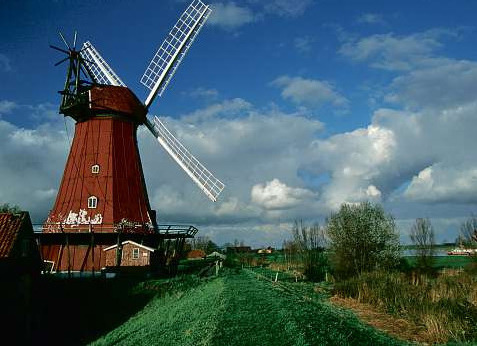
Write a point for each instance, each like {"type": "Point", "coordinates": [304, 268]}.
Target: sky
{"type": "Point", "coordinates": [297, 106]}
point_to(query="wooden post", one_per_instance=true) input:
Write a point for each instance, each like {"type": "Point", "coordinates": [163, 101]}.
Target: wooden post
{"type": "Point", "coordinates": [118, 250]}
{"type": "Point", "coordinates": [69, 255]}
{"type": "Point", "coordinates": [92, 247]}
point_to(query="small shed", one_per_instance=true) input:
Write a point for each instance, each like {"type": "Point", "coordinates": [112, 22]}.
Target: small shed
{"type": "Point", "coordinates": [132, 255]}
{"type": "Point", "coordinates": [217, 255]}
{"type": "Point", "coordinates": [19, 252]}
{"type": "Point", "coordinates": [20, 267]}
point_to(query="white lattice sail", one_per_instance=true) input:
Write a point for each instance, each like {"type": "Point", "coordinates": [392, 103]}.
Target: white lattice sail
{"type": "Point", "coordinates": [209, 184]}
{"type": "Point", "coordinates": [171, 52]}
{"type": "Point", "coordinates": [99, 68]}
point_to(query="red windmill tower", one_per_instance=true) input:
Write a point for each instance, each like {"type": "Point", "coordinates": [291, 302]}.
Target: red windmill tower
{"type": "Point", "coordinates": [102, 199]}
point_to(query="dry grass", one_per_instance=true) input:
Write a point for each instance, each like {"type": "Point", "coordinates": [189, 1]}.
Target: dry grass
{"type": "Point", "coordinates": [398, 327]}
{"type": "Point", "coordinates": [444, 306]}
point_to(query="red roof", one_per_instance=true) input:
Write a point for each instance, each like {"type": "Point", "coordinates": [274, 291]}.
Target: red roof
{"type": "Point", "coordinates": [196, 254]}
{"type": "Point", "coordinates": [10, 225]}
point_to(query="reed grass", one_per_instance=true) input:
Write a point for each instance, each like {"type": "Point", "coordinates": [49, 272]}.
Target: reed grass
{"type": "Point", "coordinates": [445, 304]}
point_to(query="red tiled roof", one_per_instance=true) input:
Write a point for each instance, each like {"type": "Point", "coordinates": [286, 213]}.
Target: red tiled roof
{"type": "Point", "coordinates": [10, 225]}
{"type": "Point", "coordinates": [196, 254]}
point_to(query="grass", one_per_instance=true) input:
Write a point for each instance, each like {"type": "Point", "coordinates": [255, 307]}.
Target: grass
{"type": "Point", "coordinates": [186, 315]}
{"type": "Point", "coordinates": [445, 305]}
{"type": "Point", "coordinates": [236, 308]}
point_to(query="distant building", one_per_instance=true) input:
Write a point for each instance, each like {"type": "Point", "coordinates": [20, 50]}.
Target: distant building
{"type": "Point", "coordinates": [195, 254]}
{"type": "Point", "coordinates": [267, 250]}
{"type": "Point", "coordinates": [132, 255]}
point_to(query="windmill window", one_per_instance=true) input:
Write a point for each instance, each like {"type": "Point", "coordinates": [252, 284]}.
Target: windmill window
{"type": "Point", "coordinates": [135, 254]}
{"type": "Point", "coordinates": [95, 169]}
{"type": "Point", "coordinates": [92, 202]}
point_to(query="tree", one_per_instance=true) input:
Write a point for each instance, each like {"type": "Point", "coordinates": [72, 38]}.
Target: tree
{"type": "Point", "coordinates": [363, 238]}
{"type": "Point", "coordinates": [422, 236]}
{"type": "Point", "coordinates": [309, 243]}
{"type": "Point", "coordinates": [203, 243]}
{"type": "Point", "coordinates": [468, 230]}
{"type": "Point", "coordinates": [7, 208]}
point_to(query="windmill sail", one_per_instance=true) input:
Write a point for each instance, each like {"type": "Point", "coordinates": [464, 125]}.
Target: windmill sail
{"type": "Point", "coordinates": [209, 184]}
{"type": "Point", "coordinates": [170, 54]}
{"type": "Point", "coordinates": [99, 68]}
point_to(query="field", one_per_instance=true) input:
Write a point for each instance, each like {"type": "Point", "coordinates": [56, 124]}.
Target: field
{"type": "Point", "coordinates": [445, 261]}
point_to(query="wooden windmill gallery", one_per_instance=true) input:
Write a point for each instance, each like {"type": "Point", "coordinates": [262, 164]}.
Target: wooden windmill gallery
{"type": "Point", "coordinates": [102, 211]}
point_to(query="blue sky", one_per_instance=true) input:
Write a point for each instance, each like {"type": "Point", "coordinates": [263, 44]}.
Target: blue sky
{"type": "Point", "coordinates": [298, 106]}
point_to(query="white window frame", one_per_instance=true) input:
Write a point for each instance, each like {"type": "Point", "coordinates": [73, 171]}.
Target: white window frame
{"type": "Point", "coordinates": [92, 202]}
{"type": "Point", "coordinates": [135, 253]}
{"type": "Point", "coordinates": [95, 169]}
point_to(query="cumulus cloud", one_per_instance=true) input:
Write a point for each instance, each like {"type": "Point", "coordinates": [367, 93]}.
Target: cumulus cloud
{"type": "Point", "coordinates": [277, 195]}
{"type": "Point", "coordinates": [309, 92]}
{"type": "Point", "coordinates": [230, 16]}
{"type": "Point", "coordinates": [355, 161]}
{"type": "Point", "coordinates": [31, 163]}
{"type": "Point", "coordinates": [244, 150]}
{"type": "Point", "coordinates": [438, 183]}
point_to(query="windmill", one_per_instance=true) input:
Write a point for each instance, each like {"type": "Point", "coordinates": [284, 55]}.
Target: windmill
{"type": "Point", "coordinates": [103, 190]}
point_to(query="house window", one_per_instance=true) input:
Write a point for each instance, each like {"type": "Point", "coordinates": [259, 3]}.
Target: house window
{"type": "Point", "coordinates": [95, 169]}
{"type": "Point", "coordinates": [92, 202]}
{"type": "Point", "coordinates": [135, 253]}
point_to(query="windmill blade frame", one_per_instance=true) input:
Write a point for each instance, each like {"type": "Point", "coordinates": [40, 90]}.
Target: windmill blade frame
{"type": "Point", "coordinates": [100, 70]}
{"type": "Point", "coordinates": [207, 182]}
{"type": "Point", "coordinates": [171, 52]}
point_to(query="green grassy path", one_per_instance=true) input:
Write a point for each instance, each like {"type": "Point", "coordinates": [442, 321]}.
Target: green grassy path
{"type": "Point", "coordinates": [239, 309]}
{"type": "Point", "coordinates": [258, 312]}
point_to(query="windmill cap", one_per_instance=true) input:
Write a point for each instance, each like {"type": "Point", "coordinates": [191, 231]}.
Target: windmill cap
{"type": "Point", "coordinates": [119, 100]}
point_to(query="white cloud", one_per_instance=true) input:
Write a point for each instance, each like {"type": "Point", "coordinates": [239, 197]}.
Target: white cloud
{"type": "Point", "coordinates": [227, 109]}
{"type": "Point", "coordinates": [439, 183]}
{"type": "Point", "coordinates": [230, 16]}
{"type": "Point", "coordinates": [391, 52]}
{"type": "Point", "coordinates": [449, 84]}
{"type": "Point", "coordinates": [309, 92]}
{"type": "Point", "coordinates": [204, 93]}
{"type": "Point", "coordinates": [7, 106]}
{"type": "Point", "coordinates": [277, 195]}
{"type": "Point", "coordinates": [371, 18]}
{"type": "Point", "coordinates": [303, 44]}
{"type": "Point", "coordinates": [31, 164]}
{"type": "Point", "coordinates": [5, 64]}
{"type": "Point", "coordinates": [355, 161]}
{"type": "Point", "coordinates": [286, 8]}
{"type": "Point", "coordinates": [249, 148]}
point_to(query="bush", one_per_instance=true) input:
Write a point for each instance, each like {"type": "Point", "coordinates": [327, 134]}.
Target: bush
{"type": "Point", "coordinates": [363, 238]}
